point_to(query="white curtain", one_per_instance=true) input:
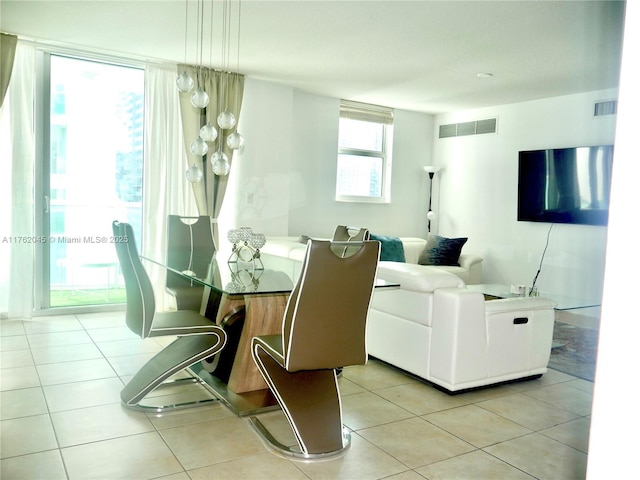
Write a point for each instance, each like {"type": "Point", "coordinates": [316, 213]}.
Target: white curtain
{"type": "Point", "coordinates": [165, 188]}
{"type": "Point", "coordinates": [17, 158]}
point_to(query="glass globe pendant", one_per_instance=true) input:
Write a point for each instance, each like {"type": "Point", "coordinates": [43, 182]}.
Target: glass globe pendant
{"type": "Point", "coordinates": [220, 163]}
{"type": "Point", "coordinates": [184, 82]}
{"type": "Point", "coordinates": [208, 132]}
{"type": "Point", "coordinates": [235, 141]}
{"type": "Point", "coordinates": [194, 174]}
{"type": "Point", "coordinates": [199, 98]}
{"type": "Point", "coordinates": [199, 147]}
{"type": "Point", "coordinates": [226, 120]}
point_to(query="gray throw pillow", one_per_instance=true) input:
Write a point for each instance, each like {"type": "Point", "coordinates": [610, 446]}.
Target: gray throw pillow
{"type": "Point", "coordinates": [442, 251]}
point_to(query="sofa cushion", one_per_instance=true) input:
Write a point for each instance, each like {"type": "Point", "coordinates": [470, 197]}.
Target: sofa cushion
{"type": "Point", "coordinates": [281, 246]}
{"type": "Point", "coordinates": [413, 247]}
{"type": "Point", "coordinates": [442, 251]}
{"type": "Point", "coordinates": [391, 248]}
{"type": "Point", "coordinates": [417, 278]}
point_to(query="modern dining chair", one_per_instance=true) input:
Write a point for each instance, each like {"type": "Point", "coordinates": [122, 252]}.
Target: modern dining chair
{"type": "Point", "coordinates": [190, 248]}
{"type": "Point", "coordinates": [344, 233]}
{"type": "Point", "coordinates": [323, 329]}
{"type": "Point", "coordinates": [197, 336]}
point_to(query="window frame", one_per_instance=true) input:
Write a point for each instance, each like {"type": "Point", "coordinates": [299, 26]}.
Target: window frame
{"type": "Point", "coordinates": [374, 114]}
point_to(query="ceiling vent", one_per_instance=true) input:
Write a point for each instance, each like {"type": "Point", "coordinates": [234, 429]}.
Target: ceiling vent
{"type": "Point", "coordinates": [476, 127]}
{"type": "Point", "coordinates": [608, 107]}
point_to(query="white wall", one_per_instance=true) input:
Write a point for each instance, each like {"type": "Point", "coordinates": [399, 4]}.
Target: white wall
{"type": "Point", "coordinates": [258, 191]}
{"type": "Point", "coordinates": [290, 162]}
{"type": "Point", "coordinates": [478, 193]}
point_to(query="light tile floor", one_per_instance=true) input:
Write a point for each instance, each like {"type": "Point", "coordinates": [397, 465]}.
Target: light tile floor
{"type": "Point", "coordinates": [61, 418]}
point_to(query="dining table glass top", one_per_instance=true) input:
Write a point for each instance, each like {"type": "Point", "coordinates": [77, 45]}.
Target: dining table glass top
{"type": "Point", "coordinates": [233, 274]}
{"type": "Point", "coordinates": [230, 276]}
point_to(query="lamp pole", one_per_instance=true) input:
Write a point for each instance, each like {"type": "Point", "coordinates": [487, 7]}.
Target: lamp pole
{"type": "Point", "coordinates": [431, 170]}
{"type": "Point", "coordinates": [430, 213]}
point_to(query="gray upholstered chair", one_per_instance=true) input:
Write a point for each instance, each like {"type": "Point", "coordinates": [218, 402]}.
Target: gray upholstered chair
{"type": "Point", "coordinates": [197, 336]}
{"type": "Point", "coordinates": [190, 248]}
{"type": "Point", "coordinates": [323, 329]}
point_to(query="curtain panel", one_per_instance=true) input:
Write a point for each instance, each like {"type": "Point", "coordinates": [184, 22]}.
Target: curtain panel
{"type": "Point", "coordinates": [17, 161]}
{"type": "Point", "coordinates": [165, 189]}
{"type": "Point", "coordinates": [7, 54]}
{"type": "Point", "coordinates": [225, 91]}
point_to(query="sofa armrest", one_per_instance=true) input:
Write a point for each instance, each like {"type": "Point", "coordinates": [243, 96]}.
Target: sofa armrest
{"type": "Point", "coordinates": [466, 260]}
{"type": "Point", "coordinates": [458, 350]}
{"type": "Point", "coordinates": [473, 265]}
{"type": "Point", "coordinates": [473, 339]}
{"type": "Point", "coordinates": [518, 303]}
{"type": "Point", "coordinates": [417, 278]}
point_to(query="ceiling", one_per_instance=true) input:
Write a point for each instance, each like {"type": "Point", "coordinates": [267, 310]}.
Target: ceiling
{"type": "Point", "coordinates": [419, 55]}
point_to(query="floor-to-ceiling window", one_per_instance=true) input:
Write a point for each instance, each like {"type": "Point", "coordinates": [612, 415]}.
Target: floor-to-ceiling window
{"type": "Point", "coordinates": [91, 174]}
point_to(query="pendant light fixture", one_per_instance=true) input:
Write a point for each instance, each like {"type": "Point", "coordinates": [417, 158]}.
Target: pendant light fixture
{"type": "Point", "coordinates": [235, 141]}
{"type": "Point", "coordinates": [184, 82]}
{"type": "Point", "coordinates": [225, 120]}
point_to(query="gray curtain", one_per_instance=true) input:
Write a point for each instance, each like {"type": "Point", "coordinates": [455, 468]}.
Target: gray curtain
{"type": "Point", "coordinates": [225, 91]}
{"type": "Point", "coordinates": [7, 54]}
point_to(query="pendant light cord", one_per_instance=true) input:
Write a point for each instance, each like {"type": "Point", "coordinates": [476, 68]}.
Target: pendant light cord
{"type": "Point", "coordinates": [186, 29]}
{"type": "Point", "coordinates": [236, 81]}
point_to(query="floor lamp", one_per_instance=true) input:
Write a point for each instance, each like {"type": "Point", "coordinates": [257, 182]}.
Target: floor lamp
{"type": "Point", "coordinates": [431, 170]}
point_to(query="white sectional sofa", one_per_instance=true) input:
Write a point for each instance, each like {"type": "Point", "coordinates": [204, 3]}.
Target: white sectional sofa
{"type": "Point", "coordinates": [433, 327]}
{"type": "Point", "coordinates": [287, 253]}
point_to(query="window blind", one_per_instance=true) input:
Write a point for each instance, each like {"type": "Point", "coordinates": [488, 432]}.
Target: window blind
{"type": "Point", "coordinates": [366, 112]}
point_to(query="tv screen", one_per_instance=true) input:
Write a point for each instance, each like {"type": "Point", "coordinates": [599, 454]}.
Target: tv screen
{"type": "Point", "coordinates": [565, 185]}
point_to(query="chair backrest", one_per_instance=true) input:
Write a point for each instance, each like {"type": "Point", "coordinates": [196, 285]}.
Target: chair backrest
{"type": "Point", "coordinates": [344, 233]}
{"type": "Point", "coordinates": [324, 323]}
{"type": "Point", "coordinates": [190, 246]}
{"type": "Point", "coordinates": [141, 303]}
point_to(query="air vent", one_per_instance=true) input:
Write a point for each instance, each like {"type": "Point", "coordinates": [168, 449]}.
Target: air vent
{"type": "Point", "coordinates": [605, 108]}
{"type": "Point", "coordinates": [466, 128]}
{"type": "Point", "coordinates": [476, 127]}
{"type": "Point", "coordinates": [448, 130]}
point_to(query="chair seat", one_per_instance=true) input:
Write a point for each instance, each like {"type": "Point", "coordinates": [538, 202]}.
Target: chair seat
{"type": "Point", "coordinates": [182, 322]}
{"type": "Point", "coordinates": [272, 344]}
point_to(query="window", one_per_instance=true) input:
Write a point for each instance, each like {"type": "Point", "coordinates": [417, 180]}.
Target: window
{"type": "Point", "coordinates": [93, 115]}
{"type": "Point", "coordinates": [364, 153]}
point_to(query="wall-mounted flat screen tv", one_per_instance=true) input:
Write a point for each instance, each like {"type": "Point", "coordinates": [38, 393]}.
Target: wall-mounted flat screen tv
{"type": "Point", "coordinates": [565, 185]}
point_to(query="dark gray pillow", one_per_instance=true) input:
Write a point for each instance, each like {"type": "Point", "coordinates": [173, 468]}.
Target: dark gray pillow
{"type": "Point", "coordinates": [442, 251]}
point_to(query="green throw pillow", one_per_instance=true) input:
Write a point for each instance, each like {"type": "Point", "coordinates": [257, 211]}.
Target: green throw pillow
{"type": "Point", "coordinates": [442, 251]}
{"type": "Point", "coordinates": [391, 248]}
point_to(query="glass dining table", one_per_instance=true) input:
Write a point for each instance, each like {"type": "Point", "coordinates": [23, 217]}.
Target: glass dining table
{"type": "Point", "coordinates": [259, 295]}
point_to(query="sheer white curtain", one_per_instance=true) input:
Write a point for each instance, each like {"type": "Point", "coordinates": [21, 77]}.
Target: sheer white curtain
{"type": "Point", "coordinates": [165, 188]}
{"type": "Point", "coordinates": [17, 157]}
